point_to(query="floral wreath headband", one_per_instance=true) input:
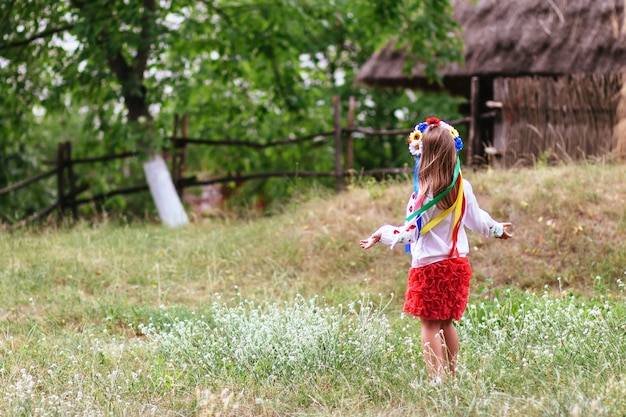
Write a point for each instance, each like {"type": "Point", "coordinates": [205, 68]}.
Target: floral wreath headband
{"type": "Point", "coordinates": [415, 137]}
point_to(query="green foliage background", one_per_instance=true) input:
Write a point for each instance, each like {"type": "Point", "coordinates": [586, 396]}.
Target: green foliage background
{"type": "Point", "coordinates": [109, 76]}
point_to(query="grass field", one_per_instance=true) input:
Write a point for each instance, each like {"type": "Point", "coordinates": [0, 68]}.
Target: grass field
{"type": "Point", "coordinates": [286, 315]}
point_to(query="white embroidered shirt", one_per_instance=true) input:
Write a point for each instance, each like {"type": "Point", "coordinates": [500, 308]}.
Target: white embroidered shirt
{"type": "Point", "coordinates": [436, 244]}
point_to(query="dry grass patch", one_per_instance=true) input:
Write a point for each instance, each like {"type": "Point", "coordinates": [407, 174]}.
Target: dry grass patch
{"type": "Point", "coordinates": [569, 224]}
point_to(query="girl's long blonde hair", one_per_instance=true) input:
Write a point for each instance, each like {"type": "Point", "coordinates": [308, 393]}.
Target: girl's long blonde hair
{"type": "Point", "coordinates": [437, 164]}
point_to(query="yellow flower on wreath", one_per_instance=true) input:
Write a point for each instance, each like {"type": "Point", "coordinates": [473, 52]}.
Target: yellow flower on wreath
{"type": "Point", "coordinates": [415, 135]}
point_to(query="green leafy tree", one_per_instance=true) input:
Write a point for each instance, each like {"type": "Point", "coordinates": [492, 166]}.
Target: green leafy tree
{"type": "Point", "coordinates": [255, 70]}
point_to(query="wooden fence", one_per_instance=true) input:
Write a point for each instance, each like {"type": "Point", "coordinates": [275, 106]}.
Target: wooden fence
{"type": "Point", "coordinates": [68, 190]}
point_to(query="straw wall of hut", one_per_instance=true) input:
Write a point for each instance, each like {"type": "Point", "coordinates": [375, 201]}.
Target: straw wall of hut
{"type": "Point", "coordinates": [563, 118]}
{"type": "Point", "coordinates": [619, 132]}
{"type": "Point", "coordinates": [551, 68]}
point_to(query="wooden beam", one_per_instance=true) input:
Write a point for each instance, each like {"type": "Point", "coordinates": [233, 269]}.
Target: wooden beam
{"type": "Point", "coordinates": [181, 151]}
{"type": "Point", "coordinates": [61, 179]}
{"type": "Point", "coordinates": [491, 104]}
{"type": "Point", "coordinates": [474, 121]}
{"type": "Point", "coordinates": [174, 155]}
{"type": "Point", "coordinates": [338, 147]}
{"type": "Point", "coordinates": [24, 183]}
{"type": "Point", "coordinates": [349, 139]}
{"type": "Point", "coordinates": [32, 217]}
{"type": "Point", "coordinates": [71, 177]}
{"type": "Point", "coordinates": [104, 158]}
{"type": "Point", "coordinates": [179, 141]}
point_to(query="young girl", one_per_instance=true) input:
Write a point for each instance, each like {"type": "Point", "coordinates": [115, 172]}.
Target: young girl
{"type": "Point", "coordinates": [441, 204]}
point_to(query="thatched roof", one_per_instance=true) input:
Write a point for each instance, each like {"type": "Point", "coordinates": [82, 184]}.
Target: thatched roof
{"type": "Point", "coordinates": [522, 37]}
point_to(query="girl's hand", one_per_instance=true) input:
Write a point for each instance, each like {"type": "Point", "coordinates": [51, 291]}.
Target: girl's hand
{"type": "Point", "coordinates": [505, 233]}
{"type": "Point", "coordinates": [368, 243]}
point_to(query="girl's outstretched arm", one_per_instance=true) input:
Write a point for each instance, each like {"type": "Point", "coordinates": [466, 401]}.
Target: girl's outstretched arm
{"type": "Point", "coordinates": [479, 221]}
{"type": "Point", "coordinates": [505, 233]}
{"type": "Point", "coordinates": [391, 235]}
{"type": "Point", "coordinates": [371, 241]}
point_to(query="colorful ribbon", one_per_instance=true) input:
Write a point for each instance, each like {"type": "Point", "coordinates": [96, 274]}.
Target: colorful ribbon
{"type": "Point", "coordinates": [458, 207]}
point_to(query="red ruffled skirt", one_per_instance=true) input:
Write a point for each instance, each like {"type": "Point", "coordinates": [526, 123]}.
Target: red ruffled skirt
{"type": "Point", "coordinates": [439, 291]}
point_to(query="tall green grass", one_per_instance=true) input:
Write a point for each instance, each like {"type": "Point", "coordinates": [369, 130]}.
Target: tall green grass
{"type": "Point", "coordinates": [286, 315]}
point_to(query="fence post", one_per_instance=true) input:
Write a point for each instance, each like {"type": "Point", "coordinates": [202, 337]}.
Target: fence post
{"type": "Point", "coordinates": [71, 179]}
{"type": "Point", "coordinates": [474, 120]}
{"type": "Point", "coordinates": [349, 141]}
{"type": "Point", "coordinates": [60, 179]}
{"type": "Point", "coordinates": [175, 156]}
{"type": "Point", "coordinates": [338, 147]}
{"type": "Point", "coordinates": [183, 156]}
{"type": "Point", "coordinates": [178, 153]}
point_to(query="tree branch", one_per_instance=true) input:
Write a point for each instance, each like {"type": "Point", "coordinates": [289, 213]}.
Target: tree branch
{"type": "Point", "coordinates": [220, 12]}
{"type": "Point", "coordinates": [143, 51]}
{"type": "Point", "coordinates": [120, 67]}
{"type": "Point", "coordinates": [44, 34]}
